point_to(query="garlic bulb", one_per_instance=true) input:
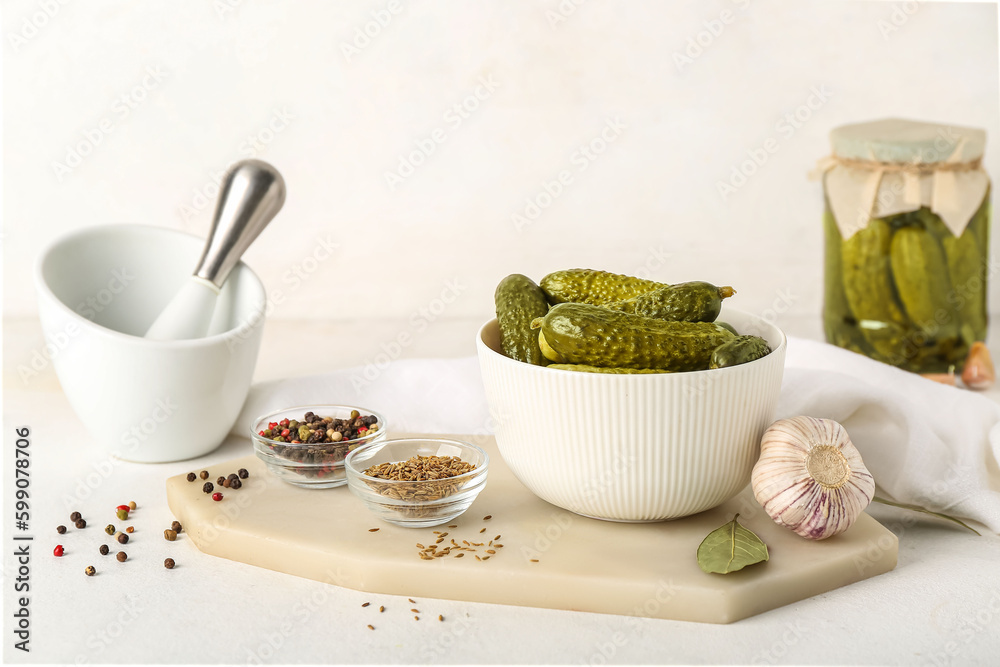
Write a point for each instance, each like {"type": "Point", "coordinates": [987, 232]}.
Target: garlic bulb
{"type": "Point", "coordinates": [810, 477]}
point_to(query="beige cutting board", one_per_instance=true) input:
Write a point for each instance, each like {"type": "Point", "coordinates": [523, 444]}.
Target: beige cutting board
{"type": "Point", "coordinates": [583, 564]}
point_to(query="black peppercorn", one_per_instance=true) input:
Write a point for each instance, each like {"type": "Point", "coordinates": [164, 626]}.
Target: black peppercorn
{"type": "Point", "coordinates": [235, 484]}
{"type": "Point", "coordinates": [203, 474]}
{"type": "Point", "coordinates": [81, 524]}
{"type": "Point", "coordinates": [192, 477]}
{"type": "Point", "coordinates": [170, 535]}
{"type": "Point", "coordinates": [220, 480]}
{"type": "Point", "coordinates": [169, 563]}
{"type": "Point", "coordinates": [208, 488]}
{"type": "Point", "coordinates": [123, 539]}
{"type": "Point", "coordinates": [243, 473]}
{"type": "Point", "coordinates": [121, 556]}
{"type": "Point", "coordinates": [104, 550]}
{"type": "Point", "coordinates": [60, 529]}
{"type": "Point", "coordinates": [176, 526]}
{"type": "Point", "coordinates": [75, 516]}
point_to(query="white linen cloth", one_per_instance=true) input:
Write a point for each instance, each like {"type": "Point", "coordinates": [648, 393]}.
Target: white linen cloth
{"type": "Point", "coordinates": [926, 444]}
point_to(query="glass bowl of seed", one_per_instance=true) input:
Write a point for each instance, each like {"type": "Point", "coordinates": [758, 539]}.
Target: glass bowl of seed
{"type": "Point", "coordinates": [306, 445]}
{"type": "Point", "coordinates": [417, 482]}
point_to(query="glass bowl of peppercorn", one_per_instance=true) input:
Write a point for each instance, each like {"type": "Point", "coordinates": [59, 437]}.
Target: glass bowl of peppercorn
{"type": "Point", "coordinates": [417, 482]}
{"type": "Point", "coordinates": [306, 446]}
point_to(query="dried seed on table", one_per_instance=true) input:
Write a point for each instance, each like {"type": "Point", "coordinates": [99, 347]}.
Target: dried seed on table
{"type": "Point", "coordinates": [130, 529]}
{"type": "Point", "coordinates": [455, 526]}
{"type": "Point", "coordinates": [416, 618]}
{"type": "Point", "coordinates": [110, 529]}
{"type": "Point", "coordinates": [203, 474]}
{"type": "Point", "coordinates": [169, 563]}
{"type": "Point", "coordinates": [412, 601]}
{"type": "Point", "coordinates": [243, 473]}
{"type": "Point", "coordinates": [122, 515]}
{"type": "Point", "coordinates": [60, 529]}
{"type": "Point", "coordinates": [381, 609]}
{"type": "Point", "coordinates": [220, 480]}
{"type": "Point", "coordinates": [122, 538]}
{"type": "Point", "coordinates": [487, 517]}
{"type": "Point", "coordinates": [366, 604]}
{"type": "Point", "coordinates": [235, 483]}
{"type": "Point", "coordinates": [169, 535]}
{"type": "Point", "coordinates": [490, 551]}
{"type": "Point", "coordinates": [75, 516]}
{"type": "Point", "coordinates": [497, 537]}
{"type": "Point", "coordinates": [122, 556]}
{"type": "Point", "coordinates": [459, 555]}
{"type": "Point", "coordinates": [132, 505]}
{"type": "Point", "coordinates": [478, 558]}
{"type": "Point", "coordinates": [440, 617]}
{"type": "Point", "coordinates": [81, 524]}
{"type": "Point", "coordinates": [175, 526]}
{"type": "Point", "coordinates": [90, 571]}
{"type": "Point", "coordinates": [486, 557]}
{"type": "Point", "coordinates": [191, 477]}
{"type": "Point", "coordinates": [370, 627]}
{"type": "Point", "coordinates": [498, 546]}
{"type": "Point", "coordinates": [224, 483]}
{"type": "Point", "coordinates": [208, 487]}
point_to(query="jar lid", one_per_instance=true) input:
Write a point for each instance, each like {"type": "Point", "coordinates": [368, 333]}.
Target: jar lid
{"type": "Point", "coordinates": [907, 141]}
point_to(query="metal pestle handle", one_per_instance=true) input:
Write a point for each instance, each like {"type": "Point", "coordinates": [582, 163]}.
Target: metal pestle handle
{"type": "Point", "coordinates": [251, 195]}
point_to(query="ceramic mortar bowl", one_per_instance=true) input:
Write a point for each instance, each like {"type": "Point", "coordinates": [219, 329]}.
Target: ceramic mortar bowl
{"type": "Point", "coordinates": [99, 289]}
{"type": "Point", "coordinates": [633, 447]}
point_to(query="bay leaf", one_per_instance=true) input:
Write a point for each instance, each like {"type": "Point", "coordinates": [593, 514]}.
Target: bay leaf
{"type": "Point", "coordinates": [729, 548]}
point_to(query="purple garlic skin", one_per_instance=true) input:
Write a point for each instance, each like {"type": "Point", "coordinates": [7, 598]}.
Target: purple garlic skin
{"type": "Point", "coordinates": [810, 477]}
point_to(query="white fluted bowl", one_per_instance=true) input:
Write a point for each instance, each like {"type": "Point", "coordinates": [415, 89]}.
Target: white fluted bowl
{"type": "Point", "coordinates": [633, 447]}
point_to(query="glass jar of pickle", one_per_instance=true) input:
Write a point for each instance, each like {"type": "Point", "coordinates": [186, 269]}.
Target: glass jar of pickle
{"type": "Point", "coordinates": [906, 225]}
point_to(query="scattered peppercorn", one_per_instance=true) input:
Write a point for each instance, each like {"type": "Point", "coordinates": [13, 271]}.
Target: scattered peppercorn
{"type": "Point", "coordinates": [81, 524]}
{"type": "Point", "coordinates": [75, 516]}
{"type": "Point", "coordinates": [203, 474]}
{"type": "Point", "coordinates": [132, 505]}
{"type": "Point", "coordinates": [122, 538]}
{"type": "Point", "coordinates": [60, 529]}
{"type": "Point", "coordinates": [104, 550]}
{"type": "Point", "coordinates": [221, 480]}
{"type": "Point", "coordinates": [169, 563]}
{"type": "Point", "coordinates": [122, 508]}
{"type": "Point", "coordinates": [191, 477]}
{"type": "Point", "coordinates": [122, 514]}
{"type": "Point", "coordinates": [224, 483]}
{"type": "Point", "coordinates": [216, 496]}
{"type": "Point", "coordinates": [58, 551]}
{"type": "Point", "coordinates": [235, 483]}
{"type": "Point", "coordinates": [208, 488]}
{"type": "Point", "coordinates": [130, 529]}
{"type": "Point", "coordinates": [121, 556]}
{"type": "Point", "coordinates": [110, 529]}
{"type": "Point", "coordinates": [90, 571]}
{"type": "Point", "coordinates": [243, 473]}
{"type": "Point", "coordinates": [175, 526]}
{"type": "Point", "coordinates": [169, 535]}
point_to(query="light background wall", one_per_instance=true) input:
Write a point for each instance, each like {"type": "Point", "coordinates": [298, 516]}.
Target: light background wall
{"type": "Point", "coordinates": [561, 72]}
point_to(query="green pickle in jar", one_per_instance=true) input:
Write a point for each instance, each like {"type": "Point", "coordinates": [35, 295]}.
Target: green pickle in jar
{"type": "Point", "coordinates": [905, 288]}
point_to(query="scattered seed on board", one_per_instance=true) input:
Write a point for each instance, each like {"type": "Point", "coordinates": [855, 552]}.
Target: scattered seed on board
{"type": "Point", "coordinates": [132, 505]}
{"type": "Point", "coordinates": [75, 516]}
{"type": "Point", "coordinates": [454, 526]}
{"type": "Point", "coordinates": [459, 555]}
{"type": "Point", "coordinates": [490, 551]}
{"type": "Point", "coordinates": [208, 487]}
{"type": "Point", "coordinates": [371, 627]}
{"type": "Point", "coordinates": [483, 530]}
{"type": "Point", "coordinates": [415, 611]}
{"type": "Point", "coordinates": [122, 556]}
{"type": "Point", "coordinates": [487, 517]}
{"type": "Point", "coordinates": [169, 563]}
{"type": "Point", "coordinates": [122, 538]}
{"type": "Point", "coordinates": [416, 618]}
{"type": "Point", "coordinates": [412, 601]}
{"type": "Point", "coordinates": [60, 529]}
{"type": "Point", "coordinates": [191, 477]}
{"type": "Point", "coordinates": [104, 550]}
{"type": "Point", "coordinates": [243, 473]}
{"type": "Point", "coordinates": [478, 558]}
{"type": "Point", "coordinates": [130, 529]}
{"type": "Point", "coordinates": [440, 617]}
{"type": "Point", "coordinates": [81, 524]}
{"type": "Point", "coordinates": [203, 474]}
{"type": "Point", "coordinates": [534, 560]}
{"type": "Point", "coordinates": [373, 530]}
{"type": "Point", "coordinates": [175, 526]}
{"type": "Point", "coordinates": [169, 535]}
{"type": "Point", "coordinates": [110, 529]}
{"type": "Point", "coordinates": [366, 604]}
{"type": "Point", "coordinates": [90, 571]}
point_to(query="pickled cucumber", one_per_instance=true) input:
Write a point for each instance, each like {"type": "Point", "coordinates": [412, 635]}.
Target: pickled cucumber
{"type": "Point", "coordinates": [587, 334]}
{"type": "Point", "coordinates": [597, 369]}
{"type": "Point", "coordinates": [728, 327]}
{"type": "Point", "coordinates": [687, 302]}
{"type": "Point", "coordinates": [869, 291]}
{"type": "Point", "coordinates": [738, 351]}
{"type": "Point", "coordinates": [968, 293]}
{"type": "Point", "coordinates": [594, 287]}
{"type": "Point", "coordinates": [920, 272]}
{"type": "Point", "coordinates": [519, 301]}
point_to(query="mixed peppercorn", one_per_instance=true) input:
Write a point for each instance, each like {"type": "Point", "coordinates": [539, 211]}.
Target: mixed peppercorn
{"type": "Point", "coordinates": [320, 444]}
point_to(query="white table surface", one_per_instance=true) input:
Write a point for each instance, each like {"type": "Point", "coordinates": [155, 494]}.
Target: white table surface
{"type": "Point", "coordinates": [941, 605]}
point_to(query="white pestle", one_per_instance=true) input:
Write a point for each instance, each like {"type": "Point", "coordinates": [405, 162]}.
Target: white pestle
{"type": "Point", "coordinates": [251, 194]}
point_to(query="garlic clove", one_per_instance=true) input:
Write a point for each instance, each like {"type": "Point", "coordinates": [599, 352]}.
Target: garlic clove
{"type": "Point", "coordinates": [810, 477]}
{"type": "Point", "coordinates": [978, 372]}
